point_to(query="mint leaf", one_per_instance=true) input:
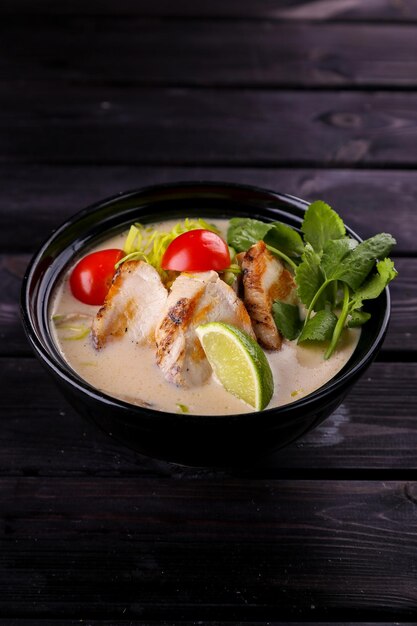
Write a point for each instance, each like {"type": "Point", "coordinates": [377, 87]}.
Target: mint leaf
{"type": "Point", "coordinates": [308, 276]}
{"type": "Point", "coordinates": [321, 224]}
{"type": "Point", "coordinates": [320, 327]}
{"type": "Point", "coordinates": [358, 318]}
{"type": "Point", "coordinates": [287, 319]}
{"type": "Point", "coordinates": [285, 238]}
{"type": "Point", "coordinates": [356, 266]}
{"type": "Point", "coordinates": [244, 232]}
{"type": "Point", "coordinates": [375, 285]}
{"type": "Point", "coordinates": [334, 252]}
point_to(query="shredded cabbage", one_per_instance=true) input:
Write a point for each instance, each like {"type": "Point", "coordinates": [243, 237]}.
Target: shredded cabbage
{"type": "Point", "coordinates": [145, 243]}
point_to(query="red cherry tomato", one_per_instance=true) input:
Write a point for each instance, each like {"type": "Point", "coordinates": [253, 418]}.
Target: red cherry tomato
{"type": "Point", "coordinates": [197, 251]}
{"type": "Point", "coordinates": [91, 277]}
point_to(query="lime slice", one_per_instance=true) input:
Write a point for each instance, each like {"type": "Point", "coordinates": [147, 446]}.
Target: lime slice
{"type": "Point", "coordinates": [238, 362]}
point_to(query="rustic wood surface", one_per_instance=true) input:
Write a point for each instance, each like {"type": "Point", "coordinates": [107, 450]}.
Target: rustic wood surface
{"type": "Point", "coordinates": [300, 542]}
{"type": "Point", "coordinates": [271, 10]}
{"type": "Point", "coordinates": [316, 98]}
{"type": "Point", "coordinates": [44, 122]}
{"type": "Point", "coordinates": [211, 53]}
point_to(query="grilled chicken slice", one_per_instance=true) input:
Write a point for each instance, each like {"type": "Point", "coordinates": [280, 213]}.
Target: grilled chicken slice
{"type": "Point", "coordinates": [194, 299]}
{"type": "Point", "coordinates": [132, 307]}
{"type": "Point", "coordinates": [264, 280]}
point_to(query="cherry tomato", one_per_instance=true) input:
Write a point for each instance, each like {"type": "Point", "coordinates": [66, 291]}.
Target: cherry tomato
{"type": "Point", "coordinates": [197, 251]}
{"type": "Point", "coordinates": [91, 277]}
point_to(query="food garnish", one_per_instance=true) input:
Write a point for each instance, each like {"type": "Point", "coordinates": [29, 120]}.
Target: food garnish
{"type": "Point", "coordinates": [149, 244]}
{"type": "Point", "coordinates": [197, 250]}
{"type": "Point", "coordinates": [91, 278]}
{"type": "Point", "coordinates": [280, 238]}
{"type": "Point", "coordinates": [287, 319]}
{"type": "Point", "coordinates": [238, 362]}
{"type": "Point", "coordinates": [333, 272]}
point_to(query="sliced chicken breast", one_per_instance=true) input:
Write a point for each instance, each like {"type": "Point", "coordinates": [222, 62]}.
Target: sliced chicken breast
{"type": "Point", "coordinates": [132, 307]}
{"type": "Point", "coordinates": [265, 279]}
{"type": "Point", "coordinates": [194, 299]}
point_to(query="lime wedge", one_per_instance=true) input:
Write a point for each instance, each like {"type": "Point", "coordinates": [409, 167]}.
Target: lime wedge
{"type": "Point", "coordinates": [238, 362]}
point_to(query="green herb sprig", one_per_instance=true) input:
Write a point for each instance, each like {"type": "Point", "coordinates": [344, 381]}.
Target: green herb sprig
{"type": "Point", "coordinates": [280, 239]}
{"type": "Point", "coordinates": [333, 272]}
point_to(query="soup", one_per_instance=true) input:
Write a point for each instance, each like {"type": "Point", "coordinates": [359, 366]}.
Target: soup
{"type": "Point", "coordinates": [129, 371]}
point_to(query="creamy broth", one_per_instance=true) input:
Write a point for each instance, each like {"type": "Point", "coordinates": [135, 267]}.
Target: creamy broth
{"type": "Point", "coordinates": [129, 372]}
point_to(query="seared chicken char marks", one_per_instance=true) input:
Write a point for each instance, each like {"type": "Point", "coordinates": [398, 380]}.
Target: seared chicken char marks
{"type": "Point", "coordinates": [194, 299]}
{"type": "Point", "coordinates": [132, 307]}
{"type": "Point", "coordinates": [264, 280]}
{"type": "Point", "coordinates": [139, 308]}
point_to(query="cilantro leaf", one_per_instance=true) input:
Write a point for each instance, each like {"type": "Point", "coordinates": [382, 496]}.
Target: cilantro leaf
{"type": "Point", "coordinates": [375, 285]}
{"type": "Point", "coordinates": [308, 276]}
{"type": "Point", "coordinates": [358, 318]}
{"type": "Point", "coordinates": [334, 252]}
{"type": "Point", "coordinates": [320, 327]}
{"type": "Point", "coordinates": [356, 266]}
{"type": "Point", "coordinates": [321, 224]}
{"type": "Point", "coordinates": [244, 232]}
{"type": "Point", "coordinates": [331, 264]}
{"type": "Point", "coordinates": [282, 239]}
{"type": "Point", "coordinates": [287, 319]}
{"type": "Point", "coordinates": [285, 238]}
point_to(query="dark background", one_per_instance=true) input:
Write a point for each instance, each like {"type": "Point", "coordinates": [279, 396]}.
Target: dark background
{"type": "Point", "coordinates": [315, 98]}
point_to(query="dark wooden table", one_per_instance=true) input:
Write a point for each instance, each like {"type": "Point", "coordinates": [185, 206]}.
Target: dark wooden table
{"type": "Point", "coordinates": [314, 98]}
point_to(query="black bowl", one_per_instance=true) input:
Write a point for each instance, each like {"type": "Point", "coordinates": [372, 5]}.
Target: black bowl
{"type": "Point", "coordinates": [228, 440]}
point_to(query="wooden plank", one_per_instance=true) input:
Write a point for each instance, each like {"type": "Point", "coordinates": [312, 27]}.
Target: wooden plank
{"type": "Point", "coordinates": [355, 10]}
{"type": "Point", "coordinates": [86, 124]}
{"type": "Point", "coordinates": [44, 436]}
{"type": "Point", "coordinates": [401, 337]}
{"type": "Point", "coordinates": [221, 549]}
{"type": "Point", "coordinates": [77, 622]}
{"type": "Point", "coordinates": [129, 622]}
{"type": "Point", "coordinates": [36, 199]}
{"type": "Point", "coordinates": [208, 53]}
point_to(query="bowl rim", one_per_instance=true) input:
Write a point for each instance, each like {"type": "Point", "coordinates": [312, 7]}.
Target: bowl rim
{"type": "Point", "coordinates": [64, 371]}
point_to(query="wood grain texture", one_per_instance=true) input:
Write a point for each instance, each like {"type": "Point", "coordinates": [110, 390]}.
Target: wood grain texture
{"type": "Point", "coordinates": [208, 53]}
{"type": "Point", "coordinates": [36, 199]}
{"type": "Point", "coordinates": [355, 10]}
{"type": "Point", "coordinates": [110, 125]}
{"type": "Point", "coordinates": [122, 622]}
{"type": "Point", "coordinates": [89, 622]}
{"type": "Point", "coordinates": [129, 622]}
{"type": "Point", "coordinates": [261, 550]}
{"type": "Point", "coordinates": [374, 429]}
